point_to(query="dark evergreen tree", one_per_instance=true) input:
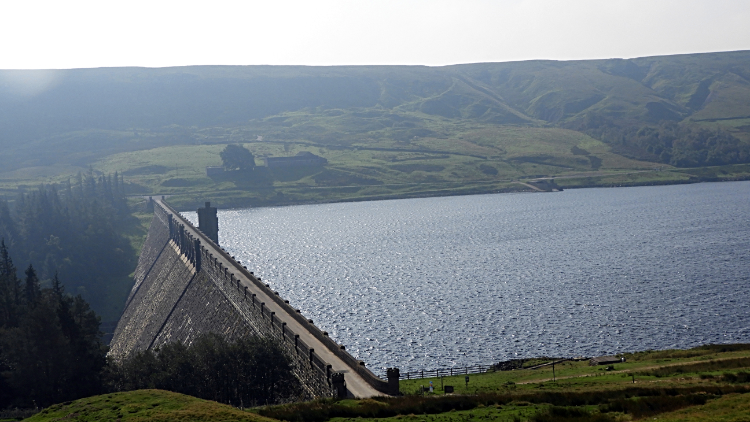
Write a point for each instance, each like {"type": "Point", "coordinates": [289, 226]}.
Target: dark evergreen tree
{"type": "Point", "coordinates": [10, 289]}
{"type": "Point", "coordinates": [32, 290]}
{"type": "Point", "coordinates": [76, 231]}
{"type": "Point", "coordinates": [50, 344]}
{"type": "Point", "coordinates": [80, 326]}
{"type": "Point", "coordinates": [38, 353]}
{"type": "Point", "coordinates": [237, 157]}
{"type": "Point", "coordinates": [246, 372]}
{"type": "Point", "coordinates": [8, 228]}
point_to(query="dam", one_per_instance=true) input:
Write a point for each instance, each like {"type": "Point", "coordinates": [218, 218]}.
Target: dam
{"type": "Point", "coordinates": [185, 285]}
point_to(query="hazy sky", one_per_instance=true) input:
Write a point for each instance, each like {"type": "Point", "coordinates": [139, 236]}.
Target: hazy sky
{"type": "Point", "coordinates": [72, 34]}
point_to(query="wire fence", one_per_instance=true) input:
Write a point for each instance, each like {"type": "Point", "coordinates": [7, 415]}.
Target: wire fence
{"type": "Point", "coordinates": [445, 372]}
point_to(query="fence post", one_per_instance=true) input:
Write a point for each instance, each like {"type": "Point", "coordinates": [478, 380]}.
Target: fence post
{"type": "Point", "coordinates": [393, 375]}
{"type": "Point", "coordinates": [197, 252]}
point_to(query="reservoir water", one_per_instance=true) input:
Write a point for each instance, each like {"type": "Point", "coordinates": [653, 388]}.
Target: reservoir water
{"type": "Point", "coordinates": [455, 281]}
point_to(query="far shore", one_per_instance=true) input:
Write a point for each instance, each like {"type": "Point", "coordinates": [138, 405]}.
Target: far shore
{"type": "Point", "coordinates": [193, 200]}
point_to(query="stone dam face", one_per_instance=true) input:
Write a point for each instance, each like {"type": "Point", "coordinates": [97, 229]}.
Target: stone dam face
{"type": "Point", "coordinates": [185, 285]}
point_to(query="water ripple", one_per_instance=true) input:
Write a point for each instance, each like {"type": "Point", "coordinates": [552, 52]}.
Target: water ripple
{"type": "Point", "coordinates": [437, 282]}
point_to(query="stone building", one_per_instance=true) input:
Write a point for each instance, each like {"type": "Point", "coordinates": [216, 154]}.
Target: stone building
{"type": "Point", "coordinates": [302, 159]}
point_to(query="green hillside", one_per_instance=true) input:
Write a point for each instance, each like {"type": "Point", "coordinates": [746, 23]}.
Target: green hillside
{"type": "Point", "coordinates": [145, 405]}
{"type": "Point", "coordinates": [387, 131]}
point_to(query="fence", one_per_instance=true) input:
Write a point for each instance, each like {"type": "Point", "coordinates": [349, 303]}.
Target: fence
{"type": "Point", "coordinates": [445, 372]}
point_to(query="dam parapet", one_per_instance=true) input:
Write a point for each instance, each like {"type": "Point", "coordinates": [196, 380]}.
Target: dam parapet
{"type": "Point", "coordinates": [186, 285]}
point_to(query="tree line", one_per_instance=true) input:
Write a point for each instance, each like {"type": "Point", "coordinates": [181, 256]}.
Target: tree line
{"type": "Point", "coordinates": [668, 142]}
{"type": "Point", "coordinates": [51, 351]}
{"type": "Point", "coordinates": [248, 372]}
{"type": "Point", "coordinates": [77, 230]}
{"type": "Point", "coordinates": [51, 347]}
{"type": "Point", "coordinates": [50, 344]}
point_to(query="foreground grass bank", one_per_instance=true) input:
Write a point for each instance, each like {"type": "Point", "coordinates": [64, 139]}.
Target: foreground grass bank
{"type": "Point", "coordinates": [708, 383]}
{"type": "Point", "coordinates": [144, 405]}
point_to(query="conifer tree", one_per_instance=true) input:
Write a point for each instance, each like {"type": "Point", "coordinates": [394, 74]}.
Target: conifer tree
{"type": "Point", "coordinates": [10, 289]}
{"type": "Point", "coordinates": [8, 228]}
{"type": "Point", "coordinates": [32, 289]}
{"type": "Point", "coordinates": [51, 351]}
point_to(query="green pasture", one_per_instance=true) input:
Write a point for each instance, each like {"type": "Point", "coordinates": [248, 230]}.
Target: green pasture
{"type": "Point", "coordinates": [638, 367]}
{"type": "Point", "coordinates": [707, 383]}
{"type": "Point", "coordinates": [359, 173]}
{"type": "Point", "coordinates": [465, 158]}
{"type": "Point", "coordinates": [371, 155]}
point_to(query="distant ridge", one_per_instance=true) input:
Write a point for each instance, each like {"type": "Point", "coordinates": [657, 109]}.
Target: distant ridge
{"type": "Point", "coordinates": [80, 115]}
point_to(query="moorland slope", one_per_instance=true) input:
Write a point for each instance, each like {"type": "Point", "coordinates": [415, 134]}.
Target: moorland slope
{"type": "Point", "coordinates": [479, 126]}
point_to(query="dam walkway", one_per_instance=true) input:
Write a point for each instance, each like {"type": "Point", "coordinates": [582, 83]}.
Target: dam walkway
{"type": "Point", "coordinates": [359, 381]}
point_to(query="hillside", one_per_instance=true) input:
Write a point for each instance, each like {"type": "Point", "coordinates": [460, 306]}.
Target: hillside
{"type": "Point", "coordinates": [145, 405]}
{"type": "Point", "coordinates": [469, 125]}
{"type": "Point", "coordinates": [707, 383]}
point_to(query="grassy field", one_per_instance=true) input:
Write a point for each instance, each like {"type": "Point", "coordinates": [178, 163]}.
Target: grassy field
{"type": "Point", "coordinates": [575, 375]}
{"type": "Point", "coordinates": [667, 385]}
{"type": "Point", "coordinates": [371, 155]}
{"type": "Point", "coordinates": [455, 159]}
{"type": "Point", "coordinates": [708, 383]}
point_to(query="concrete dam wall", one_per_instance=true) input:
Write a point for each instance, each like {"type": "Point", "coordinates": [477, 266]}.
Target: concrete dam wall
{"type": "Point", "coordinates": [185, 286]}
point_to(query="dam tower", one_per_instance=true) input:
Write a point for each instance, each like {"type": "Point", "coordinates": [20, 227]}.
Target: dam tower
{"type": "Point", "coordinates": [208, 222]}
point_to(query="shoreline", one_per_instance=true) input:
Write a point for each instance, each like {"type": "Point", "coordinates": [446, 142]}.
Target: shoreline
{"type": "Point", "coordinates": [517, 363]}
{"type": "Point", "coordinates": [186, 202]}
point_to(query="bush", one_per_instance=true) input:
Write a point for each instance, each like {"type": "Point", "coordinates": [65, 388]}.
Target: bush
{"type": "Point", "coordinates": [556, 413]}
{"type": "Point", "coordinates": [247, 372]}
{"type": "Point", "coordinates": [739, 378]}
{"type": "Point", "coordinates": [647, 406]}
